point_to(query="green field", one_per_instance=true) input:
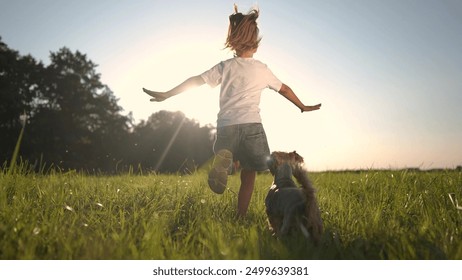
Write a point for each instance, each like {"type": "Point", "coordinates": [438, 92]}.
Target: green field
{"type": "Point", "coordinates": [367, 215]}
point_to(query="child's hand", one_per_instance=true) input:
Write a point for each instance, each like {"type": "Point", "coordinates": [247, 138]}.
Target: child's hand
{"type": "Point", "coordinates": [157, 96]}
{"type": "Point", "coordinates": [311, 108]}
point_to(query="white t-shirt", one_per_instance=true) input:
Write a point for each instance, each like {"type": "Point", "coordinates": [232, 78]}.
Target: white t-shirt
{"type": "Point", "coordinates": [242, 81]}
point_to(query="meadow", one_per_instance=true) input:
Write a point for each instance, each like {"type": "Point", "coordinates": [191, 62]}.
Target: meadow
{"type": "Point", "coordinates": [387, 214]}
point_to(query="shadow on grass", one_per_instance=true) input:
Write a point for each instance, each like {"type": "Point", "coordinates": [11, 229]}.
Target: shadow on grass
{"type": "Point", "coordinates": [296, 247]}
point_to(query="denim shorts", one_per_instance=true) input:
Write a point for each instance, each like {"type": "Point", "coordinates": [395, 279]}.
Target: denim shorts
{"type": "Point", "coordinates": [247, 142]}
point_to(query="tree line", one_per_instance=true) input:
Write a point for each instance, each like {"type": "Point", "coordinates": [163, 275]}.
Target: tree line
{"type": "Point", "coordinates": [72, 121]}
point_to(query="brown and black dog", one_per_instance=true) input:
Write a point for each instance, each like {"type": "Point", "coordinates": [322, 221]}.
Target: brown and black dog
{"type": "Point", "coordinates": [287, 205]}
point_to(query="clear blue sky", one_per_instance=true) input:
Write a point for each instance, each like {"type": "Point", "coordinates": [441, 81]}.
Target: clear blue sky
{"type": "Point", "coordinates": [388, 73]}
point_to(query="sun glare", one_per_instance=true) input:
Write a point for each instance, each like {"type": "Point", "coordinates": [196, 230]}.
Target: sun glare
{"type": "Point", "coordinates": [160, 67]}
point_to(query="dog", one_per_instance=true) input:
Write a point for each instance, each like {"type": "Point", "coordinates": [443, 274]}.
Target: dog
{"type": "Point", "coordinates": [288, 206]}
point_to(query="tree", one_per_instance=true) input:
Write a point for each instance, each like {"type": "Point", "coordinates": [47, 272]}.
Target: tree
{"type": "Point", "coordinates": [74, 121]}
{"type": "Point", "coordinates": [170, 142]}
{"type": "Point", "coordinates": [77, 119]}
{"type": "Point", "coordinates": [20, 77]}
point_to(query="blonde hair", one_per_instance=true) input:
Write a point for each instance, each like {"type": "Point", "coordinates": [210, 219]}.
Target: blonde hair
{"type": "Point", "coordinates": [243, 31]}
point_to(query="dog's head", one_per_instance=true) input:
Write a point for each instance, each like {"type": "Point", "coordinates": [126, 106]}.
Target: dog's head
{"type": "Point", "coordinates": [283, 176]}
{"type": "Point", "coordinates": [276, 159]}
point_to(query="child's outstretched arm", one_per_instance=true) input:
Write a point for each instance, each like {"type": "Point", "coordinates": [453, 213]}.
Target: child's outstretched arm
{"type": "Point", "coordinates": [190, 83]}
{"type": "Point", "coordinates": [290, 95]}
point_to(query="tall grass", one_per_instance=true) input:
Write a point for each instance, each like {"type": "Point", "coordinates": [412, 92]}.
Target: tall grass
{"type": "Point", "coordinates": [394, 214]}
{"type": "Point", "coordinates": [14, 157]}
{"type": "Point", "coordinates": [367, 215]}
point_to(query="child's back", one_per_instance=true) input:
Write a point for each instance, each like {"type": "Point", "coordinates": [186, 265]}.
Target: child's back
{"type": "Point", "coordinates": [242, 82]}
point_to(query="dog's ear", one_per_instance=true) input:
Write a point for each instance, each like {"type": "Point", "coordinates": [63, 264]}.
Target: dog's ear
{"type": "Point", "coordinates": [296, 157]}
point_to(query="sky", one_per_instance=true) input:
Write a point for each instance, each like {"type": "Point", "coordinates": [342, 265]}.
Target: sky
{"type": "Point", "coordinates": [388, 73]}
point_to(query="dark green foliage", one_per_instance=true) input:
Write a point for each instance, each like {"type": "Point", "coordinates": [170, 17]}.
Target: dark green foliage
{"type": "Point", "coordinates": [73, 122]}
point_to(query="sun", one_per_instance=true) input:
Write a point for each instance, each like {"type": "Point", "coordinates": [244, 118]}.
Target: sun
{"type": "Point", "coordinates": [160, 66]}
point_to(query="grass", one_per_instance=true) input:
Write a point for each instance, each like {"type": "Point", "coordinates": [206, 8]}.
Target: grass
{"type": "Point", "coordinates": [367, 215]}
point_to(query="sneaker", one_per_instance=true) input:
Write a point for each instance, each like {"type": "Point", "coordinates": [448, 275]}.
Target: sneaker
{"type": "Point", "coordinates": [218, 175]}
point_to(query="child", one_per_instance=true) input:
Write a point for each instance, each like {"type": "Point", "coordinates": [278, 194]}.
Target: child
{"type": "Point", "coordinates": [240, 134]}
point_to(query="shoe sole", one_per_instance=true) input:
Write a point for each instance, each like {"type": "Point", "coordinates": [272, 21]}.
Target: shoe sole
{"type": "Point", "coordinates": [218, 175]}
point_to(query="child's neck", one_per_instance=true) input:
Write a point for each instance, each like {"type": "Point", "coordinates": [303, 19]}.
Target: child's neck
{"type": "Point", "coordinates": [246, 54]}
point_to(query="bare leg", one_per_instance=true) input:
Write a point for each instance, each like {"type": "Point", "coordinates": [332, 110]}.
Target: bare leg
{"type": "Point", "coordinates": [245, 192]}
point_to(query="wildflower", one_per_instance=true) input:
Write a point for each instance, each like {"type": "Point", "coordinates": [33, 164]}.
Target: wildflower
{"type": "Point", "coordinates": [36, 231]}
